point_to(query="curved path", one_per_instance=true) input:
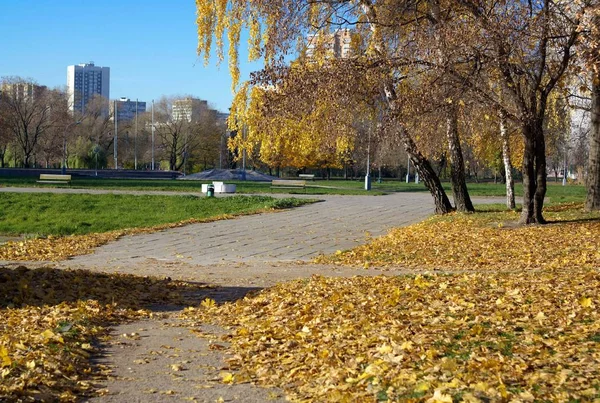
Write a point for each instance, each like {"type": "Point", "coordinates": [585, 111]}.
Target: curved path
{"type": "Point", "coordinates": [336, 223]}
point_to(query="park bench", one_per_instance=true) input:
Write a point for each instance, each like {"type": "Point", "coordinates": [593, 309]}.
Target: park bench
{"type": "Point", "coordinates": [55, 178]}
{"type": "Point", "coordinates": [288, 184]}
{"type": "Point", "coordinates": [307, 176]}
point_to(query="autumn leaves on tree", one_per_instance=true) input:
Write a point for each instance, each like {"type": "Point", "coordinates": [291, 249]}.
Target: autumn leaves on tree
{"type": "Point", "coordinates": [413, 71]}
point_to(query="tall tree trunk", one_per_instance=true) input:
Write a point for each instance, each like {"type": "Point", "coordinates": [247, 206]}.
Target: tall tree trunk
{"type": "Point", "coordinates": [510, 183]}
{"type": "Point", "coordinates": [462, 200]}
{"type": "Point", "coordinates": [427, 175]}
{"type": "Point", "coordinates": [592, 201]}
{"type": "Point", "coordinates": [534, 173]}
{"type": "Point", "coordinates": [541, 174]}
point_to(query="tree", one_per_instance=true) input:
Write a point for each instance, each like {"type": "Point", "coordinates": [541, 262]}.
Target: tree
{"type": "Point", "coordinates": [592, 43]}
{"type": "Point", "coordinates": [529, 47]}
{"type": "Point", "coordinates": [96, 128]}
{"type": "Point", "coordinates": [5, 135]}
{"type": "Point", "coordinates": [31, 110]}
{"type": "Point", "coordinates": [383, 29]}
{"type": "Point", "coordinates": [186, 129]}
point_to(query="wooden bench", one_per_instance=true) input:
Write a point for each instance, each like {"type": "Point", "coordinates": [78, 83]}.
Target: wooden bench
{"type": "Point", "coordinates": [54, 178]}
{"type": "Point", "coordinates": [288, 184]}
{"type": "Point", "coordinates": [307, 176]}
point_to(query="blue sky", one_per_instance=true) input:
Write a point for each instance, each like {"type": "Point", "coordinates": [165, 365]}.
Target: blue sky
{"type": "Point", "coordinates": [150, 46]}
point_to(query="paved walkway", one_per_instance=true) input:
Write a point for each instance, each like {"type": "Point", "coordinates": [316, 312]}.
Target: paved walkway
{"type": "Point", "coordinates": [235, 255]}
{"type": "Point", "coordinates": [337, 223]}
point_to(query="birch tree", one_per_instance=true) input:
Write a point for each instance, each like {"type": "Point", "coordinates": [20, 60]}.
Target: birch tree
{"type": "Point", "coordinates": [279, 28]}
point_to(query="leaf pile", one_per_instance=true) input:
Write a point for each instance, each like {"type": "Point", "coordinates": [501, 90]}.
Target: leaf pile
{"type": "Point", "coordinates": [483, 241]}
{"type": "Point", "coordinates": [472, 337]}
{"type": "Point", "coordinates": [50, 320]}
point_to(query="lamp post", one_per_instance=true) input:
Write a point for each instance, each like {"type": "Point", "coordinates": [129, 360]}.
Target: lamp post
{"type": "Point", "coordinates": [64, 159]}
{"type": "Point", "coordinates": [153, 135]}
{"type": "Point", "coordinates": [135, 137]}
{"type": "Point", "coordinates": [368, 175]}
{"type": "Point", "coordinates": [116, 136]}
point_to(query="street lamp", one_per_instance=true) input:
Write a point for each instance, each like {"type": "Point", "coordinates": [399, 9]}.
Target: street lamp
{"type": "Point", "coordinates": [64, 161]}
{"type": "Point", "coordinates": [368, 175]}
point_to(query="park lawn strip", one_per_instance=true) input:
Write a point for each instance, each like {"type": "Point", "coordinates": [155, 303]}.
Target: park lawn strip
{"type": "Point", "coordinates": [94, 220]}
{"type": "Point", "coordinates": [51, 321]}
{"type": "Point", "coordinates": [77, 214]}
{"type": "Point", "coordinates": [556, 193]}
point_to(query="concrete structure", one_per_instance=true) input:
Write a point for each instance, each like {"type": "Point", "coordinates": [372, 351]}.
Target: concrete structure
{"type": "Point", "coordinates": [126, 108]}
{"type": "Point", "coordinates": [190, 109]}
{"type": "Point", "coordinates": [23, 90]}
{"type": "Point", "coordinates": [86, 81]}
{"type": "Point", "coordinates": [336, 44]}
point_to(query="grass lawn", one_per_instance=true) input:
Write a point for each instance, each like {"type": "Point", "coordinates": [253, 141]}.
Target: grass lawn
{"type": "Point", "coordinates": [66, 214]}
{"type": "Point", "coordinates": [556, 192]}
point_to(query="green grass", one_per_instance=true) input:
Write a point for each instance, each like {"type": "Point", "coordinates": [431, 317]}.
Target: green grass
{"type": "Point", "coordinates": [556, 192]}
{"type": "Point", "coordinates": [65, 214]}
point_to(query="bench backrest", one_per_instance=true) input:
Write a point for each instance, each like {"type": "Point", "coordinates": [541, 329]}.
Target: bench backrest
{"type": "Point", "coordinates": [308, 176]}
{"type": "Point", "coordinates": [55, 177]}
{"type": "Point", "coordinates": [286, 182]}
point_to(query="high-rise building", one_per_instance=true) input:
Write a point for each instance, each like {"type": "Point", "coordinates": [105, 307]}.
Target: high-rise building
{"type": "Point", "coordinates": [126, 108]}
{"type": "Point", "coordinates": [336, 44]}
{"type": "Point", "coordinates": [84, 82]}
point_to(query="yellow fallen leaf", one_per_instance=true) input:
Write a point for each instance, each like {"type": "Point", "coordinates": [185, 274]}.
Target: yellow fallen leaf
{"type": "Point", "coordinates": [227, 377]}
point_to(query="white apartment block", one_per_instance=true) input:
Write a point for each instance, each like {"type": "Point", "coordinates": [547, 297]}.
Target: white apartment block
{"type": "Point", "coordinates": [190, 109]}
{"type": "Point", "coordinates": [336, 44]}
{"type": "Point", "coordinates": [85, 81]}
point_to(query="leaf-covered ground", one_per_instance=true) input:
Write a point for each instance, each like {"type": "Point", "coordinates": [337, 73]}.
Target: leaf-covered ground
{"type": "Point", "coordinates": [51, 321]}
{"type": "Point", "coordinates": [522, 326]}
{"type": "Point", "coordinates": [485, 241]}
{"type": "Point", "coordinates": [438, 338]}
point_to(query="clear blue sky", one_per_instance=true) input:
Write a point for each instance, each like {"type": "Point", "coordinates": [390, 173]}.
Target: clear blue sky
{"type": "Point", "coordinates": [150, 46]}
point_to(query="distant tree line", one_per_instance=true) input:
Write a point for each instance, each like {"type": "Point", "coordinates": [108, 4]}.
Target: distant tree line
{"type": "Point", "coordinates": [38, 129]}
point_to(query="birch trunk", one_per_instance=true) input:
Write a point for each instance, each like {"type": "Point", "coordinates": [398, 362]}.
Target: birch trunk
{"type": "Point", "coordinates": [510, 183]}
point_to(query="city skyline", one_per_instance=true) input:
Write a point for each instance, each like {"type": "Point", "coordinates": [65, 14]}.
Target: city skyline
{"type": "Point", "coordinates": [150, 48]}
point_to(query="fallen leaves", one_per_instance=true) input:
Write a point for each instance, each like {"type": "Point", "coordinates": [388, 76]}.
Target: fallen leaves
{"type": "Point", "coordinates": [481, 241]}
{"type": "Point", "coordinates": [434, 338]}
{"type": "Point", "coordinates": [52, 319]}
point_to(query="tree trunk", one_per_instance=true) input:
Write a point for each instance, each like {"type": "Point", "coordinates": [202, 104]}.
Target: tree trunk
{"type": "Point", "coordinates": [427, 174]}
{"type": "Point", "coordinates": [462, 200]}
{"type": "Point", "coordinates": [592, 201]}
{"type": "Point", "coordinates": [541, 174]}
{"type": "Point", "coordinates": [534, 173]}
{"type": "Point", "coordinates": [510, 183]}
